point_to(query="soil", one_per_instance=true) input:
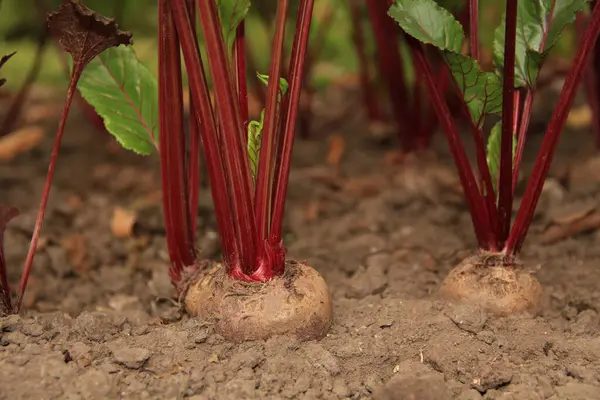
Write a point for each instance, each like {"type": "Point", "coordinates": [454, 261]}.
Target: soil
{"type": "Point", "coordinates": [100, 320]}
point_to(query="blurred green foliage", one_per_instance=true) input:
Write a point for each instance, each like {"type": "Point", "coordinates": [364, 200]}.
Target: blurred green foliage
{"type": "Point", "coordinates": [21, 21]}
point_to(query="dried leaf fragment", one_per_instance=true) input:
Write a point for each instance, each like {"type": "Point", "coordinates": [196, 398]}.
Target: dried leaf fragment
{"type": "Point", "coordinates": [559, 232]}
{"type": "Point", "coordinates": [580, 117]}
{"type": "Point", "coordinates": [335, 151]}
{"type": "Point", "coordinates": [20, 141]}
{"type": "Point", "coordinates": [122, 221]}
{"type": "Point", "coordinates": [75, 247]}
{"type": "Point", "coordinates": [84, 33]}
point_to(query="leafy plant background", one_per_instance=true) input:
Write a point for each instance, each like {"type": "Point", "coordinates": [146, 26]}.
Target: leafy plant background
{"type": "Point", "coordinates": [19, 22]}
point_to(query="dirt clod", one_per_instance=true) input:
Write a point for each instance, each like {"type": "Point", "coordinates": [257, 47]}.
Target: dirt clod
{"type": "Point", "coordinates": [130, 357]}
{"type": "Point", "coordinates": [492, 377]}
{"type": "Point", "coordinates": [426, 387]}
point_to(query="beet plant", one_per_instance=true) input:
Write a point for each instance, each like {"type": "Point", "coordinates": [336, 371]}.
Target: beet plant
{"type": "Point", "coordinates": [255, 292]}
{"type": "Point", "coordinates": [83, 34]}
{"type": "Point", "coordinates": [414, 118]}
{"type": "Point", "coordinates": [494, 277]}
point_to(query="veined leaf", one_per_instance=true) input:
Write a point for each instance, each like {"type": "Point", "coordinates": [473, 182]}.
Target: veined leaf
{"type": "Point", "coordinates": [429, 23]}
{"type": "Point", "coordinates": [231, 13]}
{"type": "Point", "coordinates": [482, 91]}
{"type": "Point", "coordinates": [493, 152]}
{"type": "Point", "coordinates": [254, 140]}
{"type": "Point", "coordinates": [539, 25]}
{"type": "Point", "coordinates": [125, 94]}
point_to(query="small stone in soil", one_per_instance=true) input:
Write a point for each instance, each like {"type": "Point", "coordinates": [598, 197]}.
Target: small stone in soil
{"type": "Point", "coordinates": [131, 357]}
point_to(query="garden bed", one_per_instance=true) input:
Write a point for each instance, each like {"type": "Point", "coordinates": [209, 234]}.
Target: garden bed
{"type": "Point", "coordinates": [101, 321]}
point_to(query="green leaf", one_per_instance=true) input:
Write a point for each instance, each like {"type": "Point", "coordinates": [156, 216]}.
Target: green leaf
{"type": "Point", "coordinates": [429, 23]}
{"type": "Point", "coordinates": [255, 128]}
{"type": "Point", "coordinates": [482, 91]}
{"type": "Point", "coordinates": [283, 85]}
{"type": "Point", "coordinates": [125, 94]}
{"type": "Point", "coordinates": [231, 13]}
{"type": "Point", "coordinates": [254, 140]}
{"type": "Point", "coordinates": [493, 152]}
{"type": "Point", "coordinates": [539, 25]}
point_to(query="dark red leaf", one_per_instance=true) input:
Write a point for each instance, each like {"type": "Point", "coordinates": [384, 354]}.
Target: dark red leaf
{"type": "Point", "coordinates": [83, 33]}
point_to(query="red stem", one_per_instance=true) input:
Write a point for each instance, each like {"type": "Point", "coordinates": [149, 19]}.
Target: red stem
{"type": "Point", "coordinates": [474, 28]}
{"type": "Point", "coordinates": [522, 135]}
{"type": "Point", "coordinates": [39, 221]}
{"type": "Point", "coordinates": [172, 147]}
{"type": "Point", "coordinates": [311, 58]}
{"type": "Point", "coordinates": [193, 160]}
{"type": "Point", "coordinates": [297, 62]}
{"type": "Point", "coordinates": [527, 110]}
{"type": "Point", "coordinates": [431, 120]}
{"type": "Point", "coordinates": [267, 151]}
{"type": "Point", "coordinates": [239, 60]}
{"type": "Point", "coordinates": [416, 111]}
{"type": "Point", "coordinates": [369, 96]}
{"type": "Point", "coordinates": [489, 200]}
{"type": "Point", "coordinates": [234, 149]}
{"type": "Point", "coordinates": [390, 62]}
{"type": "Point", "coordinates": [591, 80]}
{"type": "Point", "coordinates": [555, 127]}
{"type": "Point", "coordinates": [474, 200]}
{"type": "Point", "coordinates": [14, 111]}
{"type": "Point", "coordinates": [210, 137]}
{"type": "Point", "coordinates": [505, 198]}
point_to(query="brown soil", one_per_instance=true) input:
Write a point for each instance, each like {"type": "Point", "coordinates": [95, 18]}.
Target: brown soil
{"type": "Point", "coordinates": [101, 322]}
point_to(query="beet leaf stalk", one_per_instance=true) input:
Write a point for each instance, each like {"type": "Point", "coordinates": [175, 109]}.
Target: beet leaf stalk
{"type": "Point", "coordinates": [528, 30]}
{"type": "Point", "coordinates": [84, 34]}
{"type": "Point", "coordinates": [391, 66]}
{"type": "Point", "coordinates": [369, 95]}
{"type": "Point", "coordinates": [248, 164]}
